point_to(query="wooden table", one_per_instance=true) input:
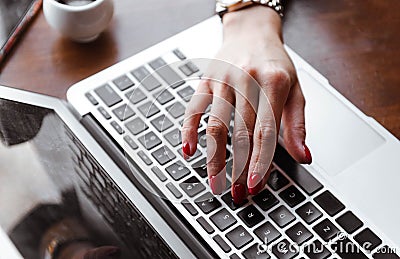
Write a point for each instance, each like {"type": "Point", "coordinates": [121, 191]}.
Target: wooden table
{"type": "Point", "coordinates": [355, 44]}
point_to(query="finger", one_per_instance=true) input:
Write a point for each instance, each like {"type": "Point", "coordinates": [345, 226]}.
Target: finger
{"type": "Point", "coordinates": [217, 131]}
{"type": "Point", "coordinates": [272, 98]}
{"type": "Point", "coordinates": [294, 132]}
{"type": "Point", "coordinates": [246, 102]}
{"type": "Point", "coordinates": [195, 109]}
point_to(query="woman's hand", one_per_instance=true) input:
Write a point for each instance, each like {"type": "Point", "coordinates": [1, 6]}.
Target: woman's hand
{"type": "Point", "coordinates": [265, 90]}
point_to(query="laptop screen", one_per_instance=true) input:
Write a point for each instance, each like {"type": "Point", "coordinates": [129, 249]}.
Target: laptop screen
{"type": "Point", "coordinates": [47, 176]}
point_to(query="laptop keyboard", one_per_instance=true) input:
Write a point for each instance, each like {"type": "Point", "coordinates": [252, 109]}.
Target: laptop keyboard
{"type": "Point", "coordinates": [293, 210]}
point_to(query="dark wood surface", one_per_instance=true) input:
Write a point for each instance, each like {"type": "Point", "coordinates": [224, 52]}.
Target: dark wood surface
{"type": "Point", "coordinates": [355, 44]}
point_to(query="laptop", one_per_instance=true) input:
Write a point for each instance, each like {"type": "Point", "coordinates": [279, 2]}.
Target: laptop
{"type": "Point", "coordinates": [112, 156]}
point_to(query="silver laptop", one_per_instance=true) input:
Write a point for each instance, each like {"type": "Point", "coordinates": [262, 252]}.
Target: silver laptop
{"type": "Point", "coordinates": [112, 155]}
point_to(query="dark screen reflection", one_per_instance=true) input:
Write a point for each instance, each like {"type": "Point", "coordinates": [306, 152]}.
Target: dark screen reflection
{"type": "Point", "coordinates": [48, 176]}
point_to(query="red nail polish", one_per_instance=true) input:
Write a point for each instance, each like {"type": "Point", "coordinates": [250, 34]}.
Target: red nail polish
{"type": "Point", "coordinates": [239, 193]}
{"type": "Point", "coordinates": [186, 149]}
{"type": "Point", "coordinates": [255, 181]}
{"type": "Point", "coordinates": [307, 154]}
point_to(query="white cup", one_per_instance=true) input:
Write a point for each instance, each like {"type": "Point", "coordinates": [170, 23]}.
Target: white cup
{"type": "Point", "coordinates": [82, 23]}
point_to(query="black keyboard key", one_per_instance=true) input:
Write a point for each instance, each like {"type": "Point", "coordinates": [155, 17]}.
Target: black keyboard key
{"type": "Point", "coordinates": [163, 97]}
{"type": "Point", "coordinates": [239, 237]}
{"type": "Point", "coordinates": [145, 78]}
{"type": "Point", "coordinates": [224, 246]}
{"type": "Point", "coordinates": [317, 250]}
{"type": "Point", "coordinates": [309, 213]}
{"type": "Point", "coordinates": [186, 93]}
{"type": "Point", "coordinates": [150, 140]}
{"type": "Point", "coordinates": [204, 224]}
{"type": "Point", "coordinates": [148, 109]}
{"type": "Point", "coordinates": [296, 172]}
{"type": "Point", "coordinates": [276, 180]}
{"type": "Point", "coordinates": [292, 196]}
{"type": "Point", "coordinates": [166, 73]}
{"type": "Point", "coordinates": [176, 110]}
{"type": "Point", "coordinates": [160, 175]}
{"type": "Point", "coordinates": [285, 250]}
{"type": "Point", "coordinates": [202, 138]}
{"type": "Point", "coordinates": [234, 256]}
{"type": "Point", "coordinates": [368, 239]}
{"type": "Point", "coordinates": [123, 112]}
{"type": "Point", "coordinates": [162, 123]}
{"type": "Point", "coordinates": [163, 155]}
{"type": "Point", "coordinates": [386, 252]}
{"type": "Point", "coordinates": [177, 170]}
{"type": "Point", "coordinates": [227, 198]}
{"type": "Point", "coordinates": [267, 233]}
{"type": "Point", "coordinates": [123, 82]}
{"type": "Point", "coordinates": [108, 95]}
{"type": "Point", "coordinates": [265, 200]}
{"type": "Point", "coordinates": [135, 96]}
{"type": "Point", "coordinates": [192, 186]}
{"type": "Point", "coordinates": [103, 112]}
{"type": "Point", "coordinates": [144, 157]}
{"type": "Point", "coordinates": [201, 167]}
{"type": "Point", "coordinates": [256, 251]}
{"type": "Point", "coordinates": [229, 167]}
{"type": "Point", "coordinates": [185, 70]}
{"type": "Point", "coordinates": [189, 207]}
{"type": "Point", "coordinates": [326, 230]}
{"type": "Point", "coordinates": [132, 144]}
{"type": "Point", "coordinates": [223, 219]}
{"type": "Point", "coordinates": [174, 137]}
{"type": "Point", "coordinates": [117, 127]}
{"type": "Point", "coordinates": [171, 187]}
{"type": "Point", "coordinates": [136, 126]}
{"type": "Point", "coordinates": [299, 233]}
{"type": "Point", "coordinates": [329, 203]}
{"type": "Point", "coordinates": [179, 54]}
{"type": "Point", "coordinates": [281, 216]}
{"type": "Point", "coordinates": [91, 99]}
{"type": "Point", "coordinates": [207, 203]}
{"type": "Point", "coordinates": [191, 158]}
{"type": "Point", "coordinates": [347, 249]}
{"type": "Point", "coordinates": [349, 222]}
{"type": "Point", "coordinates": [251, 216]}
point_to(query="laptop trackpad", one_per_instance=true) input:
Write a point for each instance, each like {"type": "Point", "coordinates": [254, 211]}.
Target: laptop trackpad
{"type": "Point", "coordinates": [337, 136]}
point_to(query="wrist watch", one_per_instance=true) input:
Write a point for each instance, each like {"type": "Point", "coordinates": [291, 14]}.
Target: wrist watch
{"type": "Point", "coordinates": [226, 6]}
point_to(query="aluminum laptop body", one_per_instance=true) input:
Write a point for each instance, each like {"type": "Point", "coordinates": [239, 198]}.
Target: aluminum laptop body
{"type": "Point", "coordinates": [355, 162]}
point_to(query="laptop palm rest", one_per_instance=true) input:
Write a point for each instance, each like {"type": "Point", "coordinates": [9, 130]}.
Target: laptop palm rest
{"type": "Point", "coordinates": [337, 136]}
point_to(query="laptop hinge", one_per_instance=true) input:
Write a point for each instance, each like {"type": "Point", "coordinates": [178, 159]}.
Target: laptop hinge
{"type": "Point", "coordinates": [135, 174]}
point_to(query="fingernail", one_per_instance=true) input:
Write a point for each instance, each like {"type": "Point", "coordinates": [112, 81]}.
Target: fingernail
{"type": "Point", "coordinates": [255, 183]}
{"type": "Point", "coordinates": [239, 193]}
{"type": "Point", "coordinates": [307, 154]}
{"type": "Point", "coordinates": [186, 150]}
{"type": "Point", "coordinates": [217, 183]}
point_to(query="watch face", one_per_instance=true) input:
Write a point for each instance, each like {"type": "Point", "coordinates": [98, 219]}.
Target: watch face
{"type": "Point", "coordinates": [227, 3]}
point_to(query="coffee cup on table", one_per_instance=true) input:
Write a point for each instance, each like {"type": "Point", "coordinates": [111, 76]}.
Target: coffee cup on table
{"type": "Point", "coordinates": [79, 20]}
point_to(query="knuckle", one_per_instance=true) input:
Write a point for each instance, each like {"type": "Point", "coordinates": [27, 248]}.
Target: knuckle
{"type": "Point", "coordinates": [265, 132]}
{"type": "Point", "coordinates": [242, 137]}
{"type": "Point", "coordinates": [277, 77]}
{"type": "Point", "coordinates": [248, 68]}
{"type": "Point", "coordinates": [216, 128]}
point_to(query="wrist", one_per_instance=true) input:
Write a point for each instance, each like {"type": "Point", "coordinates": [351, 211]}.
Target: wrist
{"type": "Point", "coordinates": [254, 18]}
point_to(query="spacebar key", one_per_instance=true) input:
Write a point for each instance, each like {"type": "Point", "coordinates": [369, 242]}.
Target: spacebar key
{"type": "Point", "coordinates": [299, 175]}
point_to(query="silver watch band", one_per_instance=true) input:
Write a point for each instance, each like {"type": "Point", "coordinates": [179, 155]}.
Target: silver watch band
{"type": "Point", "coordinates": [223, 8]}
